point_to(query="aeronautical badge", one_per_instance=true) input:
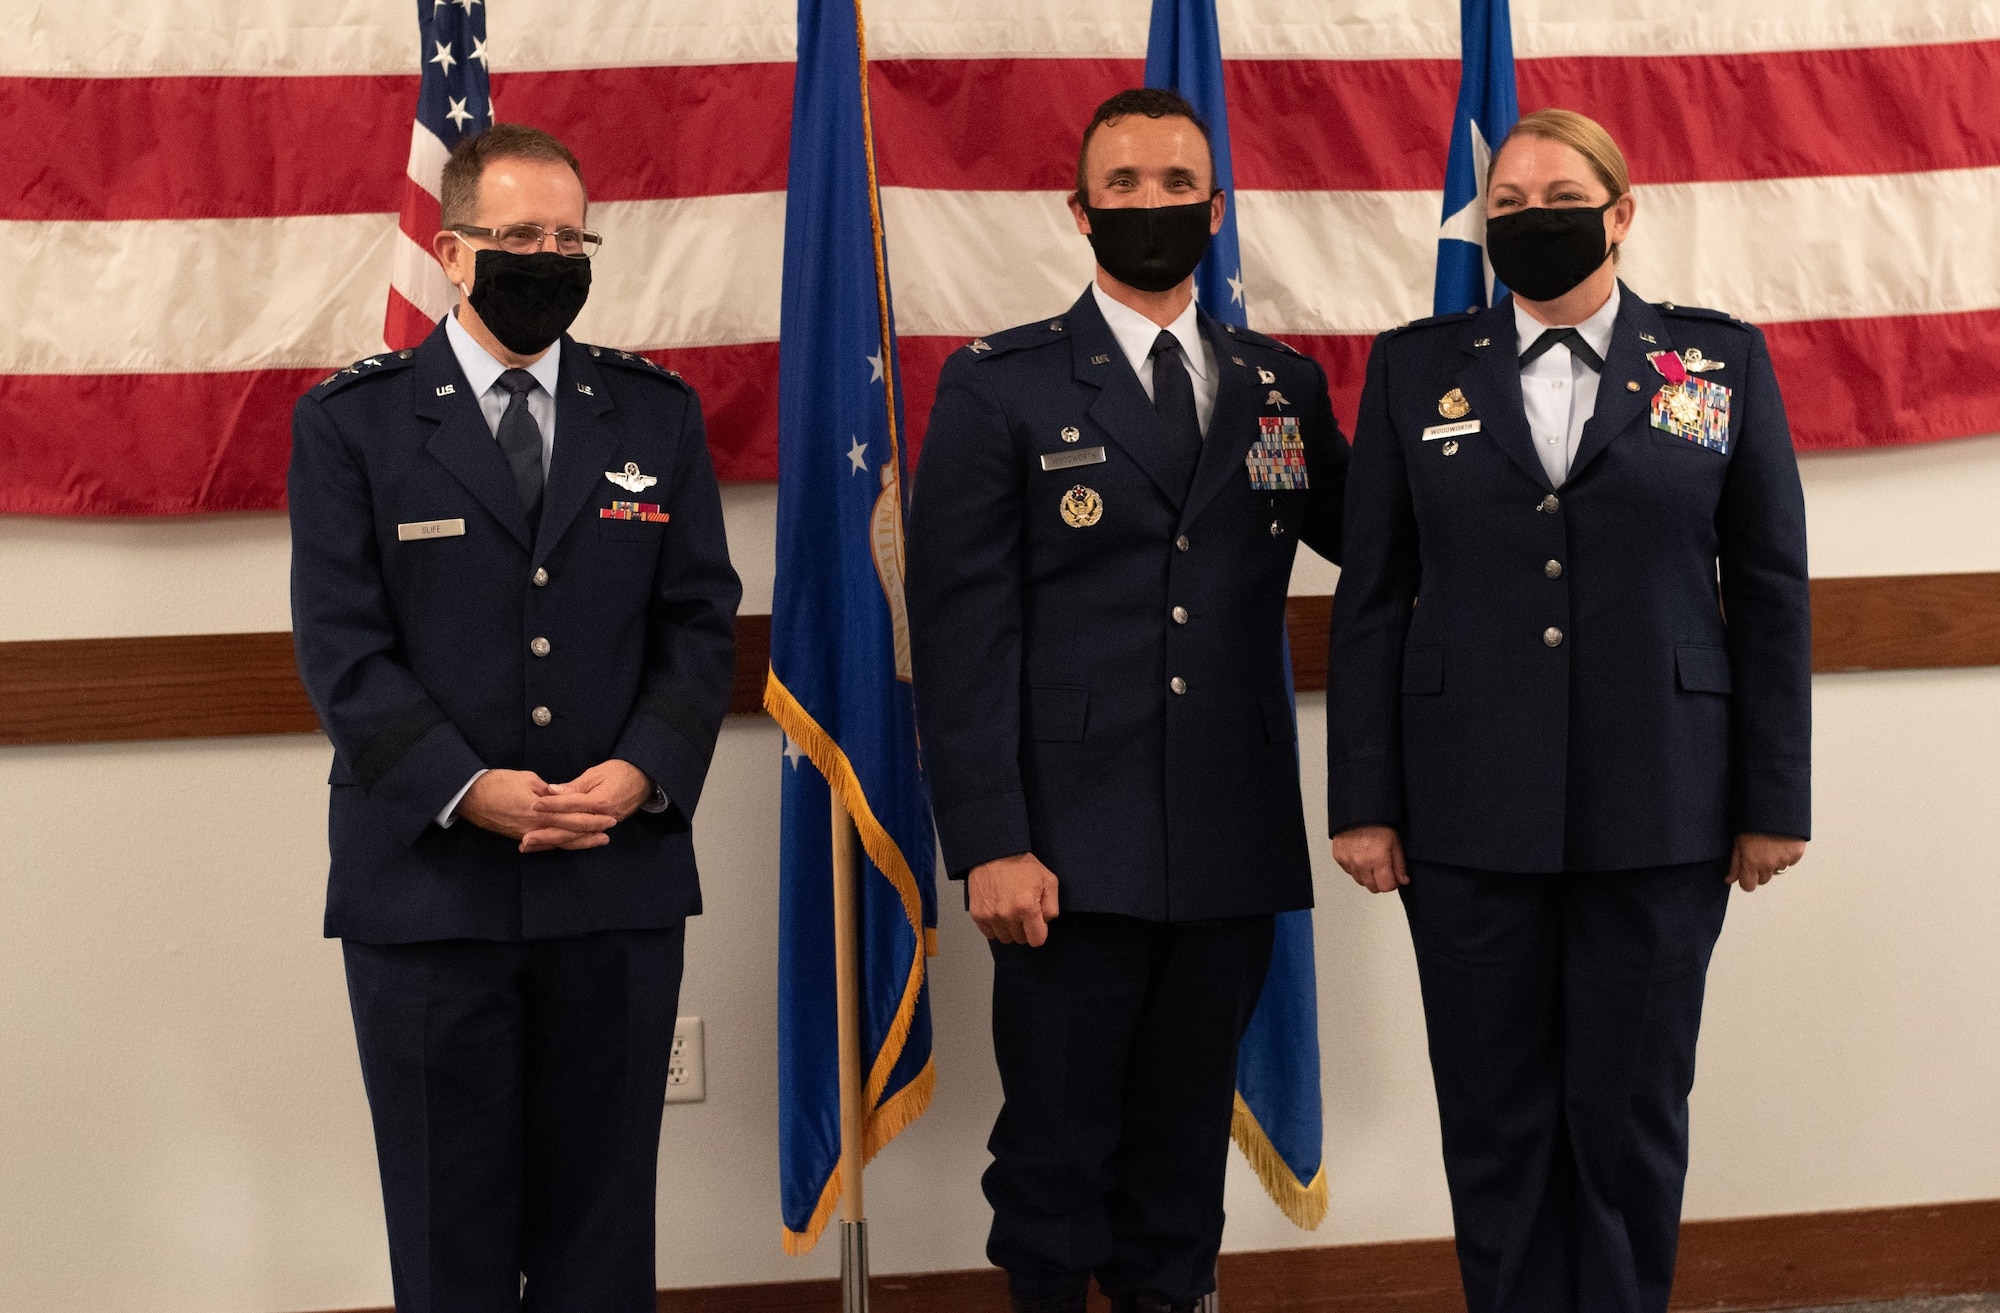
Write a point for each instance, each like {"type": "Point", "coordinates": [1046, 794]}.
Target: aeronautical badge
{"type": "Point", "coordinates": [1277, 460]}
{"type": "Point", "coordinates": [1453, 405]}
{"type": "Point", "coordinates": [1691, 408]}
{"type": "Point", "coordinates": [1276, 398]}
{"type": "Point", "coordinates": [647, 511]}
{"type": "Point", "coordinates": [1697, 363]}
{"type": "Point", "coordinates": [1082, 507]}
{"type": "Point", "coordinates": [630, 479]}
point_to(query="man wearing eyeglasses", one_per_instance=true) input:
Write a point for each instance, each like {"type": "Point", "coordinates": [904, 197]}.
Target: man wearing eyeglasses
{"type": "Point", "coordinates": [514, 612]}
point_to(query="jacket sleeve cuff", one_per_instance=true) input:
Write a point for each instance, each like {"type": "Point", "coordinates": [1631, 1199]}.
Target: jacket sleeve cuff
{"type": "Point", "coordinates": [419, 786]}
{"type": "Point", "coordinates": [1774, 798]}
{"type": "Point", "coordinates": [983, 830]}
{"type": "Point", "coordinates": [1365, 793]}
{"type": "Point", "coordinates": [675, 766]}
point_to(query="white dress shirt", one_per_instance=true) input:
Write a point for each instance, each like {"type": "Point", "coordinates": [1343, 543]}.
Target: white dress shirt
{"type": "Point", "coordinates": [1135, 335]}
{"type": "Point", "coordinates": [483, 373]}
{"type": "Point", "coordinates": [1558, 391]}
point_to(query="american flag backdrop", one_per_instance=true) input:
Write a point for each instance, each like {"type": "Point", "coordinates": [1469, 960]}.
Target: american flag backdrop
{"type": "Point", "coordinates": [201, 198]}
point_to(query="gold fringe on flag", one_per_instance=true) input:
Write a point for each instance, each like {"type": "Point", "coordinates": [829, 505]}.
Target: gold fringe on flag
{"type": "Point", "coordinates": [1303, 1202]}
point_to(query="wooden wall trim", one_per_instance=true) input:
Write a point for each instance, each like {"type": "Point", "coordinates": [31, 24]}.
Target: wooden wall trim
{"type": "Point", "coordinates": [93, 690]}
{"type": "Point", "coordinates": [1797, 1260]}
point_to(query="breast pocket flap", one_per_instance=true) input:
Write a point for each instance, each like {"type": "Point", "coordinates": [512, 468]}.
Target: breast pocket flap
{"type": "Point", "coordinates": [1423, 670]}
{"type": "Point", "coordinates": [1703, 669]}
{"type": "Point", "coordinates": [1055, 713]}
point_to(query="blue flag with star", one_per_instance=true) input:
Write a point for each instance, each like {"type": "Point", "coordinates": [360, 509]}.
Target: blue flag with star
{"type": "Point", "coordinates": [1277, 1117]}
{"type": "Point", "coordinates": [839, 683]}
{"type": "Point", "coordinates": [1486, 112]}
{"type": "Point", "coordinates": [1184, 54]}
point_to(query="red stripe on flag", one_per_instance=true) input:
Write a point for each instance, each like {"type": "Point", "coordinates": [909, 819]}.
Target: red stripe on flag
{"type": "Point", "coordinates": [164, 148]}
{"type": "Point", "coordinates": [738, 386]}
{"type": "Point", "coordinates": [1785, 114]}
{"type": "Point", "coordinates": [649, 133]}
{"type": "Point", "coordinates": [404, 325]}
{"type": "Point", "coordinates": [1879, 382]}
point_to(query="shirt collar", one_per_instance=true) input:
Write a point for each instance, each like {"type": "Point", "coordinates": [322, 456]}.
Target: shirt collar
{"type": "Point", "coordinates": [1595, 330]}
{"type": "Point", "coordinates": [1136, 334]}
{"type": "Point", "coordinates": [482, 371]}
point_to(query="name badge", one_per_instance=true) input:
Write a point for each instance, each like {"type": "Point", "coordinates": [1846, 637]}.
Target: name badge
{"type": "Point", "coordinates": [421, 529]}
{"type": "Point", "coordinates": [1066, 460]}
{"type": "Point", "coordinates": [1459, 430]}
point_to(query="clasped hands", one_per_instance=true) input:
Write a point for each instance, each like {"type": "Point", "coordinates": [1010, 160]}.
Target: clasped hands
{"type": "Point", "coordinates": [1373, 855]}
{"type": "Point", "coordinates": [522, 805]}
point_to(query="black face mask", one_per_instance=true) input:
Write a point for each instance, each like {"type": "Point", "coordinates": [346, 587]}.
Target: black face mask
{"type": "Point", "coordinates": [1546, 251]}
{"type": "Point", "coordinates": [1152, 249]}
{"type": "Point", "coordinates": [528, 300]}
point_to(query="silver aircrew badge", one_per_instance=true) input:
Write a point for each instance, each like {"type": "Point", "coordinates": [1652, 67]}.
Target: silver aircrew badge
{"type": "Point", "coordinates": [630, 479]}
{"type": "Point", "coordinates": [1697, 363]}
{"type": "Point", "coordinates": [1082, 507]}
{"type": "Point", "coordinates": [1453, 405]}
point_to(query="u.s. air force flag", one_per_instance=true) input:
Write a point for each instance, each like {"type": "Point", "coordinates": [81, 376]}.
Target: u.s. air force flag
{"type": "Point", "coordinates": [1487, 109]}
{"type": "Point", "coordinates": [839, 683]}
{"type": "Point", "coordinates": [1277, 1119]}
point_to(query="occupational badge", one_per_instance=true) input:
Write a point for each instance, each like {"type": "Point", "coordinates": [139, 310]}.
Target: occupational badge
{"type": "Point", "coordinates": [1266, 377]}
{"type": "Point", "coordinates": [1453, 405]}
{"type": "Point", "coordinates": [1697, 363]}
{"type": "Point", "coordinates": [1276, 398]}
{"type": "Point", "coordinates": [1082, 507]}
{"type": "Point", "coordinates": [630, 479]}
{"type": "Point", "coordinates": [1450, 447]}
{"type": "Point", "coordinates": [1277, 460]}
{"type": "Point", "coordinates": [1071, 435]}
{"type": "Point", "coordinates": [1691, 408]}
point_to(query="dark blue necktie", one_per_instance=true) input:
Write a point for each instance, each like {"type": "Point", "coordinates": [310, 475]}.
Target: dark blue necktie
{"type": "Point", "coordinates": [1568, 337]}
{"type": "Point", "coordinates": [1173, 398]}
{"type": "Point", "coordinates": [521, 441]}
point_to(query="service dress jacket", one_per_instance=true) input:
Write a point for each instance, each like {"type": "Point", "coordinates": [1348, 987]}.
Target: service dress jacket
{"type": "Point", "coordinates": [1608, 675]}
{"type": "Point", "coordinates": [1099, 643]}
{"type": "Point", "coordinates": [438, 633]}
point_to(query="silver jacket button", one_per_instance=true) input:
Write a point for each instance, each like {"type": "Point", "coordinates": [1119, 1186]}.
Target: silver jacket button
{"type": "Point", "coordinates": [1553, 569]}
{"type": "Point", "coordinates": [1180, 615]}
{"type": "Point", "coordinates": [1177, 684]}
{"type": "Point", "coordinates": [540, 647]}
{"type": "Point", "coordinates": [1552, 637]}
{"type": "Point", "coordinates": [541, 715]}
{"type": "Point", "coordinates": [541, 578]}
{"type": "Point", "coordinates": [1549, 505]}
{"type": "Point", "coordinates": [1181, 542]}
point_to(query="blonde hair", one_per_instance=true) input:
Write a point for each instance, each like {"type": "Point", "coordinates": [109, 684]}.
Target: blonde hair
{"type": "Point", "coordinates": [1584, 135]}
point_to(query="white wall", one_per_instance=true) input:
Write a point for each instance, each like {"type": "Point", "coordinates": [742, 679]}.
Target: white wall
{"type": "Point", "coordinates": [181, 1118]}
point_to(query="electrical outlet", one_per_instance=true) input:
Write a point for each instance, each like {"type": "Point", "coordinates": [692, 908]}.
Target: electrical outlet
{"type": "Point", "coordinates": [686, 1081]}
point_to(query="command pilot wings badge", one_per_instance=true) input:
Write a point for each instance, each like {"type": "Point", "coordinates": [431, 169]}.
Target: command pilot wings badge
{"type": "Point", "coordinates": [630, 479]}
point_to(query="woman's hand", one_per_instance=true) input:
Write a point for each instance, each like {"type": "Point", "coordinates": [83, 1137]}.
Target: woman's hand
{"type": "Point", "coordinates": [1373, 855]}
{"type": "Point", "coordinates": [1758, 857]}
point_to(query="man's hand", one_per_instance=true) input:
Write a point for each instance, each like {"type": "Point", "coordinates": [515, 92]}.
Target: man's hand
{"type": "Point", "coordinates": [1013, 899]}
{"type": "Point", "coordinates": [579, 814]}
{"type": "Point", "coordinates": [1373, 855]}
{"type": "Point", "coordinates": [1758, 857]}
{"type": "Point", "coordinates": [503, 801]}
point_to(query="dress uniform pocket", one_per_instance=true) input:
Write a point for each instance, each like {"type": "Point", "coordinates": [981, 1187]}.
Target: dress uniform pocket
{"type": "Point", "coordinates": [1055, 713]}
{"type": "Point", "coordinates": [1423, 670]}
{"type": "Point", "coordinates": [1703, 669]}
{"type": "Point", "coordinates": [630, 531]}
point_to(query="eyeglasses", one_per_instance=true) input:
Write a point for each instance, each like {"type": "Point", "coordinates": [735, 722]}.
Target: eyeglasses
{"type": "Point", "coordinates": [527, 238]}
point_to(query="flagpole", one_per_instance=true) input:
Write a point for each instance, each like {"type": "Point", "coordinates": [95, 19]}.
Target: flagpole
{"type": "Point", "coordinates": [847, 991]}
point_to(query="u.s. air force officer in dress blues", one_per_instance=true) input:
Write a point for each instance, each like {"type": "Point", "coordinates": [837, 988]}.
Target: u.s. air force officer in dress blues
{"type": "Point", "coordinates": [514, 612]}
{"type": "Point", "coordinates": [1569, 702]}
{"type": "Point", "coordinates": [1101, 534]}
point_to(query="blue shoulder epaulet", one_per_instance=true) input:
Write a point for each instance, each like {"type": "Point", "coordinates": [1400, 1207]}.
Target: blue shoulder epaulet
{"type": "Point", "coordinates": [1255, 338]}
{"type": "Point", "coordinates": [1040, 333]}
{"type": "Point", "coordinates": [1432, 321]}
{"type": "Point", "coordinates": [1698, 312]}
{"type": "Point", "coordinates": [605, 355]}
{"type": "Point", "coordinates": [387, 362]}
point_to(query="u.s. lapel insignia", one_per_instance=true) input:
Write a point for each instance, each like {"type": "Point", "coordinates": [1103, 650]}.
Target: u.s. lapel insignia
{"type": "Point", "coordinates": [1100, 360]}
{"type": "Point", "coordinates": [630, 479]}
{"type": "Point", "coordinates": [1276, 398]}
{"type": "Point", "coordinates": [1082, 507]}
{"type": "Point", "coordinates": [1265, 376]}
{"type": "Point", "coordinates": [1697, 363]}
{"type": "Point", "coordinates": [1237, 360]}
{"type": "Point", "coordinates": [1453, 405]}
{"type": "Point", "coordinates": [444, 391]}
{"type": "Point", "coordinates": [585, 389]}
{"type": "Point", "coordinates": [1649, 339]}
{"type": "Point", "coordinates": [1071, 435]}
